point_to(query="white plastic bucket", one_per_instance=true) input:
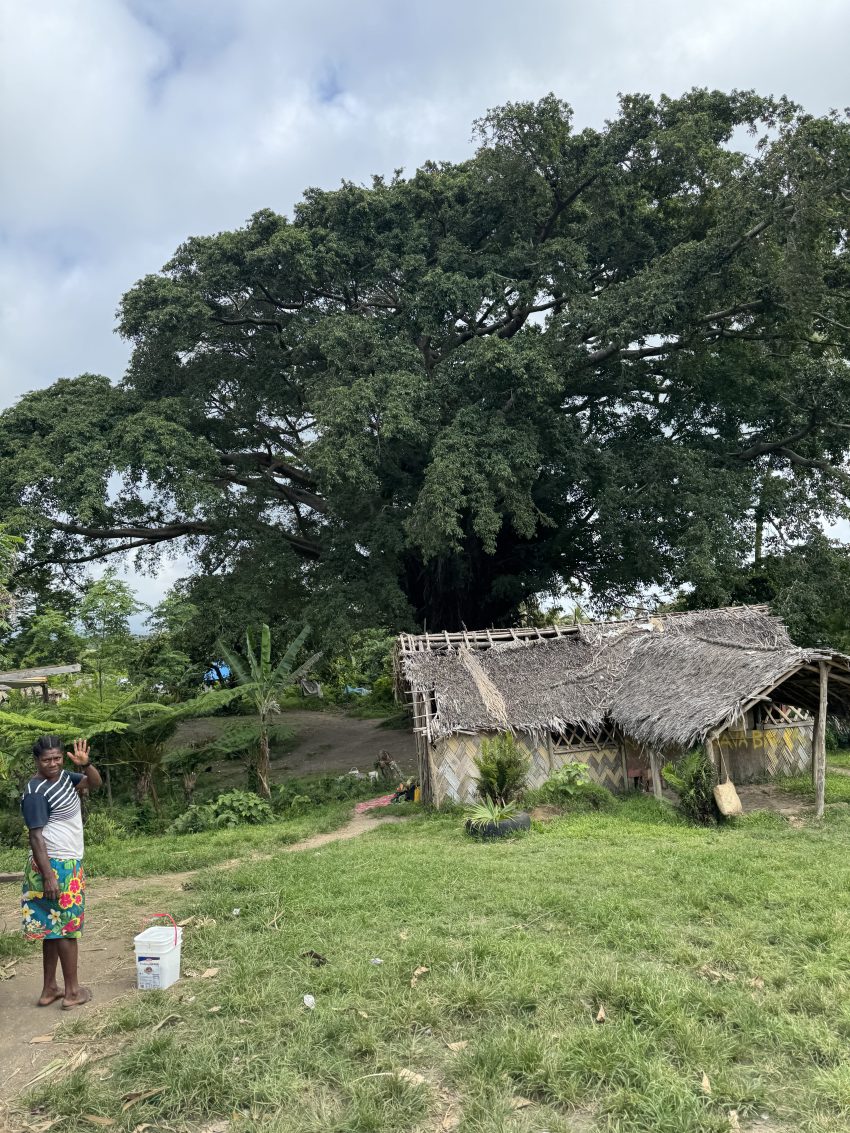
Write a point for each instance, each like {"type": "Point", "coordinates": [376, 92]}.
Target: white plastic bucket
{"type": "Point", "coordinates": [158, 957]}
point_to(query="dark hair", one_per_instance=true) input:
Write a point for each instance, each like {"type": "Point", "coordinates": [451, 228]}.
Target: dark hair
{"type": "Point", "coordinates": [47, 743]}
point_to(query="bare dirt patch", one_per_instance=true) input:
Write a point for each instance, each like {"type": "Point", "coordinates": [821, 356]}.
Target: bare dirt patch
{"type": "Point", "coordinates": [325, 743]}
{"type": "Point", "coordinates": [770, 797]}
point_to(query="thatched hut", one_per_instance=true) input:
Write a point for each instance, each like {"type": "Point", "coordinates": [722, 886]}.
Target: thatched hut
{"type": "Point", "coordinates": [623, 697]}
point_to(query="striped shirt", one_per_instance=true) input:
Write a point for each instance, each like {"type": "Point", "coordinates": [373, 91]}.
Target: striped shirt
{"type": "Point", "coordinates": [54, 808]}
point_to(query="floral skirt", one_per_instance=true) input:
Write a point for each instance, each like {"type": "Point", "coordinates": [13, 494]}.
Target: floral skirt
{"type": "Point", "coordinates": [54, 920]}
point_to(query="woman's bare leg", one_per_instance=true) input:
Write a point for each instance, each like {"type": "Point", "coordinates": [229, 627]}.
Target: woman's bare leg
{"type": "Point", "coordinates": [50, 958]}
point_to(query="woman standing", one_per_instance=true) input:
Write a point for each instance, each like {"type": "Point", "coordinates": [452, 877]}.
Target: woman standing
{"type": "Point", "coordinates": [54, 893]}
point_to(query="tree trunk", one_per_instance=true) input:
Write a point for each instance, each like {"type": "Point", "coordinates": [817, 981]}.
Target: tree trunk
{"type": "Point", "coordinates": [263, 770]}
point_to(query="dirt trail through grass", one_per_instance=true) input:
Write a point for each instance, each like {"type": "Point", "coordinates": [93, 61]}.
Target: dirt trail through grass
{"type": "Point", "coordinates": [115, 909]}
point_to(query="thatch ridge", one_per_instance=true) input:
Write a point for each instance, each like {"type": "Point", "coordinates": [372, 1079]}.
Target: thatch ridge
{"type": "Point", "coordinates": [665, 680]}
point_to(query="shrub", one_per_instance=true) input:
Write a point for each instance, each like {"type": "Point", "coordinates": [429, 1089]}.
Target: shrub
{"type": "Point", "coordinates": [13, 832]}
{"type": "Point", "coordinates": [502, 768]}
{"type": "Point", "coordinates": [235, 808]}
{"type": "Point", "coordinates": [564, 783]}
{"type": "Point", "coordinates": [194, 820]}
{"type": "Point", "coordinates": [102, 828]}
{"type": "Point", "coordinates": [323, 789]}
{"type": "Point", "coordinates": [692, 778]}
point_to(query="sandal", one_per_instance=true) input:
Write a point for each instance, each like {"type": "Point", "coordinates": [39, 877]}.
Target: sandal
{"type": "Point", "coordinates": [85, 997]}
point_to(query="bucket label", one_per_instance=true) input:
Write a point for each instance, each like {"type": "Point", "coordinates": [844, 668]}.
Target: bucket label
{"type": "Point", "coordinates": [147, 968]}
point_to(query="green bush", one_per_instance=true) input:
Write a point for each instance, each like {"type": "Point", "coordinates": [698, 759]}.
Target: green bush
{"type": "Point", "coordinates": [502, 768]}
{"type": "Point", "coordinates": [235, 808]}
{"type": "Point", "coordinates": [564, 783]}
{"type": "Point", "coordinates": [323, 789]}
{"type": "Point", "coordinates": [13, 832]}
{"type": "Point", "coordinates": [102, 828]}
{"type": "Point", "coordinates": [569, 788]}
{"type": "Point", "coordinates": [692, 778]}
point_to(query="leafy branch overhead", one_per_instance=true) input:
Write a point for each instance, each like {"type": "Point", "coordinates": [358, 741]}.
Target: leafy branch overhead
{"type": "Point", "coordinates": [600, 358]}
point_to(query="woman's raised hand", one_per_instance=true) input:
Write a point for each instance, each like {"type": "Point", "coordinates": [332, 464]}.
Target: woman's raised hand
{"type": "Point", "coordinates": [80, 755]}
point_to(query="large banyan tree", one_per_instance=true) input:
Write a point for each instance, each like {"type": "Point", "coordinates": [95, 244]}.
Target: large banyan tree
{"type": "Point", "coordinates": [601, 358]}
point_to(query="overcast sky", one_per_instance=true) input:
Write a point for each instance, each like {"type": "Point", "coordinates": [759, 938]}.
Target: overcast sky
{"type": "Point", "coordinates": [127, 125]}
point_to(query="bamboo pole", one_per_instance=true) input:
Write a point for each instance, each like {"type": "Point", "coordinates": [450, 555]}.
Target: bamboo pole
{"type": "Point", "coordinates": [656, 774]}
{"type": "Point", "coordinates": [819, 741]}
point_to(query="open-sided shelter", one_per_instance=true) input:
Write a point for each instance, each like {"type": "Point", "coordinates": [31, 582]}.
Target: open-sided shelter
{"type": "Point", "coordinates": [621, 696]}
{"type": "Point", "coordinates": [30, 680]}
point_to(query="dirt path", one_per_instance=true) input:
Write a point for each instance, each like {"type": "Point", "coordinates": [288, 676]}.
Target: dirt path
{"type": "Point", "coordinates": [325, 743]}
{"type": "Point", "coordinates": [106, 957]}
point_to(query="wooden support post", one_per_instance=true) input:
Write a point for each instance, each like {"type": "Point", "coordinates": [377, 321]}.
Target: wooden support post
{"type": "Point", "coordinates": [819, 741]}
{"type": "Point", "coordinates": [712, 748]}
{"type": "Point", "coordinates": [625, 762]}
{"type": "Point", "coordinates": [656, 774]}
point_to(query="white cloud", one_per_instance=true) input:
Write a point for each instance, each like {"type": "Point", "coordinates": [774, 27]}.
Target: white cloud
{"type": "Point", "coordinates": [126, 127]}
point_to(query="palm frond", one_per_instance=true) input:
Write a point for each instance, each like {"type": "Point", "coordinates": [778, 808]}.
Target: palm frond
{"type": "Point", "coordinates": [15, 722]}
{"type": "Point", "coordinates": [284, 666]}
{"type": "Point", "coordinates": [304, 669]}
{"type": "Point", "coordinates": [234, 663]}
{"type": "Point", "coordinates": [253, 665]}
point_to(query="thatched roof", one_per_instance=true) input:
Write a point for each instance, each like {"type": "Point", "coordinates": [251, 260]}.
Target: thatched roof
{"type": "Point", "coordinates": [666, 680]}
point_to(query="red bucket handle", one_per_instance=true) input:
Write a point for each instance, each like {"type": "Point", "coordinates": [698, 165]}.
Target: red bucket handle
{"type": "Point", "coordinates": [163, 916]}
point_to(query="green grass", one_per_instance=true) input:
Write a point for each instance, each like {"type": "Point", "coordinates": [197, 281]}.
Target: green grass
{"type": "Point", "coordinates": [13, 946]}
{"type": "Point", "coordinates": [838, 757]}
{"type": "Point", "coordinates": [720, 951]}
{"type": "Point", "coordinates": [836, 787]}
{"type": "Point", "coordinates": [153, 854]}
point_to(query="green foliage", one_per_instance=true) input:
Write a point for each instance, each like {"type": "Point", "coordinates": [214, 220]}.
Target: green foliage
{"type": "Point", "coordinates": [13, 832]}
{"type": "Point", "coordinates": [48, 636]}
{"type": "Point", "coordinates": [9, 549]}
{"type": "Point", "coordinates": [366, 662]}
{"type": "Point", "coordinates": [570, 788]}
{"type": "Point", "coordinates": [321, 789]}
{"type": "Point", "coordinates": [502, 769]}
{"type": "Point", "coordinates": [693, 780]}
{"type": "Point", "coordinates": [235, 808]}
{"type": "Point", "coordinates": [488, 812]}
{"type": "Point", "coordinates": [102, 829]}
{"type": "Point", "coordinates": [263, 685]}
{"type": "Point", "coordinates": [105, 612]}
{"type": "Point", "coordinates": [565, 782]}
{"type": "Point", "coordinates": [604, 355]}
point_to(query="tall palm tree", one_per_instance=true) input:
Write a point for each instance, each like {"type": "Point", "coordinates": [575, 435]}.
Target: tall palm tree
{"type": "Point", "coordinates": [263, 685]}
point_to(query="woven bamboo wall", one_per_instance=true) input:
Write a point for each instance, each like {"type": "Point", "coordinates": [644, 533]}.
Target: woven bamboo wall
{"type": "Point", "coordinates": [758, 754]}
{"type": "Point", "coordinates": [453, 773]}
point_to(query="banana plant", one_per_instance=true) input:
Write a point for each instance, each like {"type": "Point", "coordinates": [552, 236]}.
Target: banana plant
{"type": "Point", "coordinates": [262, 685]}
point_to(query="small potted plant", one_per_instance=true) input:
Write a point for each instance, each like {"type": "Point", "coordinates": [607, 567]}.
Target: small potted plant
{"type": "Point", "coordinates": [502, 774]}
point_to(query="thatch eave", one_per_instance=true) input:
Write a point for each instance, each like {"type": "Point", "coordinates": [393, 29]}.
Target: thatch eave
{"type": "Point", "coordinates": [672, 680]}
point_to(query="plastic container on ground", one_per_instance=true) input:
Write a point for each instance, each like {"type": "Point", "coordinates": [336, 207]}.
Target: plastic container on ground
{"type": "Point", "coordinates": [158, 957]}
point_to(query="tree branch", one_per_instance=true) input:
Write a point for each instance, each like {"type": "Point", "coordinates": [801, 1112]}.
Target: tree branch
{"type": "Point", "coordinates": [150, 536]}
{"type": "Point", "coordinates": [762, 448]}
{"type": "Point", "coordinates": [273, 463]}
